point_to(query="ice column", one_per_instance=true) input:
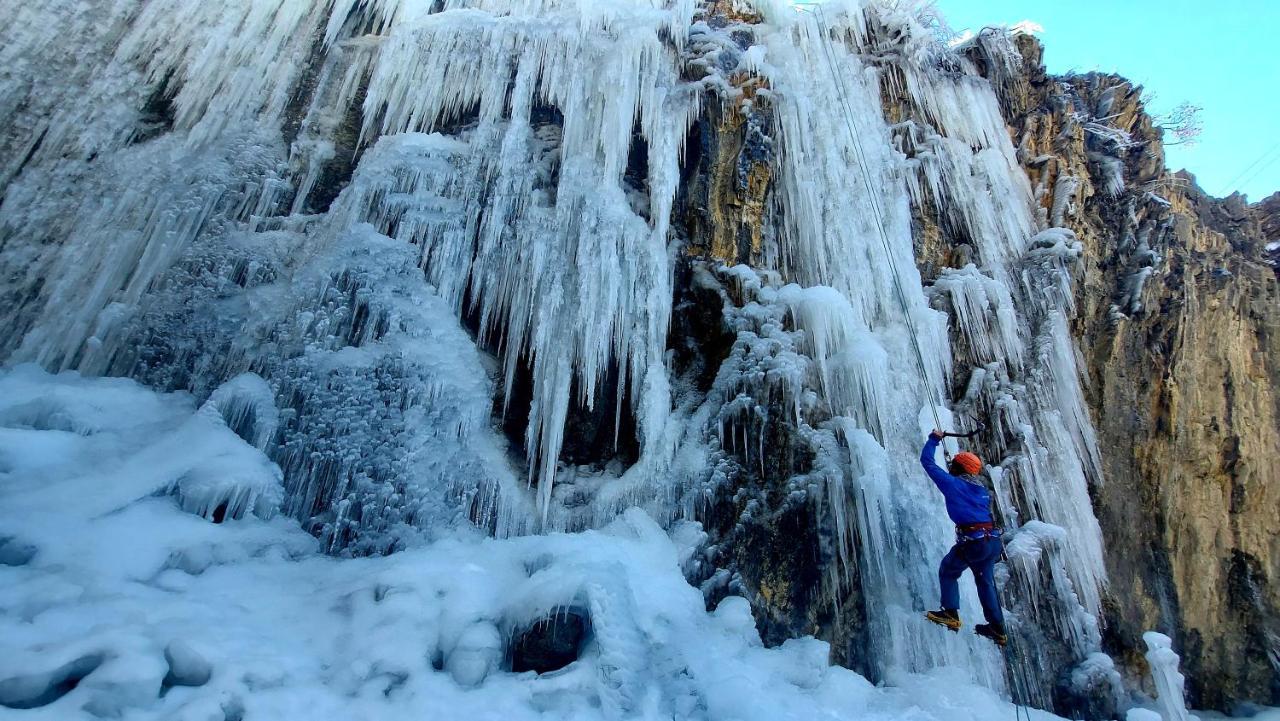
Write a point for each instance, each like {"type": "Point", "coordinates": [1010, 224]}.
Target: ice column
{"type": "Point", "coordinates": [1168, 680]}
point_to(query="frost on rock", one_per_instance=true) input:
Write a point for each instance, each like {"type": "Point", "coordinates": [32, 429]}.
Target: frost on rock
{"type": "Point", "coordinates": [1096, 678]}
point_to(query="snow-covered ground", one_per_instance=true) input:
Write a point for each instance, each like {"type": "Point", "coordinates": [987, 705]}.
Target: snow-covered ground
{"type": "Point", "coordinates": [118, 593]}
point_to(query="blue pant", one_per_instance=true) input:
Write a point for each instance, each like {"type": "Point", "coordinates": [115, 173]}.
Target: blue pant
{"type": "Point", "coordinates": [980, 556]}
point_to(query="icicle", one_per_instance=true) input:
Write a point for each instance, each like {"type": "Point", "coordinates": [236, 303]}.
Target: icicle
{"type": "Point", "coordinates": [575, 287]}
{"type": "Point", "coordinates": [248, 406]}
{"type": "Point", "coordinates": [1168, 680]}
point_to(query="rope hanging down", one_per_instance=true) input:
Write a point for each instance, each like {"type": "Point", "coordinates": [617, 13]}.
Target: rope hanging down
{"type": "Point", "coordinates": [842, 96]}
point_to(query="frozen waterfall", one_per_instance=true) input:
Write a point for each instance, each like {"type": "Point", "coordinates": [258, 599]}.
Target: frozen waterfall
{"type": "Point", "coordinates": [404, 247]}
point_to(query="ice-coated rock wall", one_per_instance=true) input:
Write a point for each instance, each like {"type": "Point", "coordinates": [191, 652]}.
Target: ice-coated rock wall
{"type": "Point", "coordinates": [1176, 320]}
{"type": "Point", "coordinates": [472, 259]}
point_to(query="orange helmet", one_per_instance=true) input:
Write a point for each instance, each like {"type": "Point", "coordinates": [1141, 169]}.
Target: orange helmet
{"type": "Point", "coordinates": [968, 462]}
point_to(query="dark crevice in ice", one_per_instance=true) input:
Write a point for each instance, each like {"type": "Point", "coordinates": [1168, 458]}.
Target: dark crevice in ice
{"type": "Point", "coordinates": [42, 689]}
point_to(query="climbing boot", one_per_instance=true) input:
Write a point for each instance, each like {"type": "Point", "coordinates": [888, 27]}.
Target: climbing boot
{"type": "Point", "coordinates": [993, 631]}
{"type": "Point", "coordinates": [948, 617]}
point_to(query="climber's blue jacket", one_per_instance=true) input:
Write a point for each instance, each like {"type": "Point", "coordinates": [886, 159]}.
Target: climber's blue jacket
{"type": "Point", "coordinates": [968, 501]}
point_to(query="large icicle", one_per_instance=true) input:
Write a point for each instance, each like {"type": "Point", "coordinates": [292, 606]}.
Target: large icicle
{"type": "Point", "coordinates": [846, 233]}
{"type": "Point", "coordinates": [1168, 680]}
{"type": "Point", "coordinates": [567, 265]}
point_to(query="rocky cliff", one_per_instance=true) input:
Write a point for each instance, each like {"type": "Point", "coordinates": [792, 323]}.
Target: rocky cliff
{"type": "Point", "coordinates": [1176, 321]}
{"type": "Point", "coordinates": [1179, 326]}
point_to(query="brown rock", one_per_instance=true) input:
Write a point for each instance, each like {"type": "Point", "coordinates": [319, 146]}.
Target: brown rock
{"type": "Point", "coordinates": [1183, 373]}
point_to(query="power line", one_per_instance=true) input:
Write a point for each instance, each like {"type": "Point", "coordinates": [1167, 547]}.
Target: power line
{"type": "Point", "coordinates": [1236, 182]}
{"type": "Point", "coordinates": [1258, 172]}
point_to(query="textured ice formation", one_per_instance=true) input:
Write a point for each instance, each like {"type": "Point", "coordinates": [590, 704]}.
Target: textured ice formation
{"type": "Point", "coordinates": [400, 247]}
{"type": "Point", "coordinates": [1168, 680]}
{"type": "Point", "coordinates": [105, 622]}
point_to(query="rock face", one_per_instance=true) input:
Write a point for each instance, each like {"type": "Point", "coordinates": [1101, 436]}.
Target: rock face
{"type": "Point", "coordinates": [1193, 452]}
{"type": "Point", "coordinates": [1179, 325]}
{"type": "Point", "coordinates": [1176, 319]}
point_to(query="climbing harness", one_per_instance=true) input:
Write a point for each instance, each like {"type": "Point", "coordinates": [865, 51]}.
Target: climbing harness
{"type": "Point", "coordinates": [977, 531]}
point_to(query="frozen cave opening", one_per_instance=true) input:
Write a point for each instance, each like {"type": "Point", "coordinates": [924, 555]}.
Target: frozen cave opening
{"type": "Point", "coordinates": [550, 643]}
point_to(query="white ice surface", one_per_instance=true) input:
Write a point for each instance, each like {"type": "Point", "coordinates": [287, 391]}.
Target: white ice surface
{"type": "Point", "coordinates": [123, 576]}
{"type": "Point", "coordinates": [1169, 681]}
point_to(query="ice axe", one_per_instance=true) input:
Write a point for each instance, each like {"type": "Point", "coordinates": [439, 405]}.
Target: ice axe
{"type": "Point", "coordinates": [979, 427]}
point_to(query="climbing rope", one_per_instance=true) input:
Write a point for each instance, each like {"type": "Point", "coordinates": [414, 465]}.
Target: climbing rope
{"type": "Point", "coordinates": [1018, 685]}
{"type": "Point", "coordinates": [1015, 683]}
{"type": "Point", "coordinates": [846, 111]}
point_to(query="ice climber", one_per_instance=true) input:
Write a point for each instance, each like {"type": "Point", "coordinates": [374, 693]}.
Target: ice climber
{"type": "Point", "coordinates": [978, 545]}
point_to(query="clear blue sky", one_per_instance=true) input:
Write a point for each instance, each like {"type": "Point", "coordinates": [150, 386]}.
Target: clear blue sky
{"type": "Point", "coordinates": [1223, 56]}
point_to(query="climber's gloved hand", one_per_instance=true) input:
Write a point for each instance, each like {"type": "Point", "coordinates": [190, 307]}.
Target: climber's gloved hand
{"type": "Point", "coordinates": [937, 435]}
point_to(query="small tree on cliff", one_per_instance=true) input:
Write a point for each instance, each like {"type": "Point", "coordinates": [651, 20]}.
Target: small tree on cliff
{"type": "Point", "coordinates": [1183, 123]}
